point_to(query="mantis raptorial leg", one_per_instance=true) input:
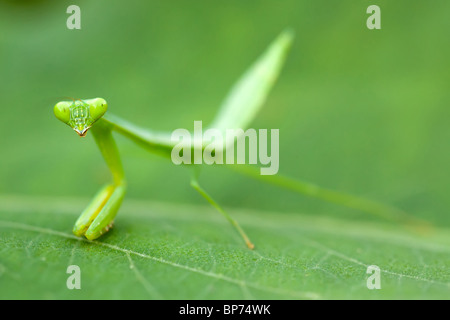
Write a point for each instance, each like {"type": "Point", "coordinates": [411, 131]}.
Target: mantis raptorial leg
{"type": "Point", "coordinates": [238, 110]}
{"type": "Point", "coordinates": [98, 217]}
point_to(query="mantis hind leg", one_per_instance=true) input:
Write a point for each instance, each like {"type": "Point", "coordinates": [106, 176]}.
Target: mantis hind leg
{"type": "Point", "coordinates": [99, 215]}
{"type": "Point", "coordinates": [384, 211]}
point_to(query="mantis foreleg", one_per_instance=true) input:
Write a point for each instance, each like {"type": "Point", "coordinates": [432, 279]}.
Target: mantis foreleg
{"type": "Point", "coordinates": [98, 217]}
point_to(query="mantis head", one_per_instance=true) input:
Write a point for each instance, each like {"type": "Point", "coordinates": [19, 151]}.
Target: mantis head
{"type": "Point", "coordinates": [80, 115]}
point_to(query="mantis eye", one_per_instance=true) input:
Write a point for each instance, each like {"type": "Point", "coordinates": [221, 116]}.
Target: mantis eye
{"type": "Point", "coordinates": [62, 111]}
{"type": "Point", "coordinates": [97, 108]}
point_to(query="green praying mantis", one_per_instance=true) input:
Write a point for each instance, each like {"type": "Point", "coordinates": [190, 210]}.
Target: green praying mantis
{"type": "Point", "coordinates": [238, 110]}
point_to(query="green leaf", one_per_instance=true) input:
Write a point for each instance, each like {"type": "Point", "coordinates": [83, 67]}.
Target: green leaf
{"type": "Point", "coordinates": [167, 251]}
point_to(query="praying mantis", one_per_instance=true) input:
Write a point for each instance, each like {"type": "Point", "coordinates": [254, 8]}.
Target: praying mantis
{"type": "Point", "coordinates": [238, 110]}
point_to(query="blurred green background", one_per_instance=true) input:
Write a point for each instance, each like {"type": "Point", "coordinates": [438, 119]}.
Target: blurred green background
{"type": "Point", "coordinates": [361, 111]}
